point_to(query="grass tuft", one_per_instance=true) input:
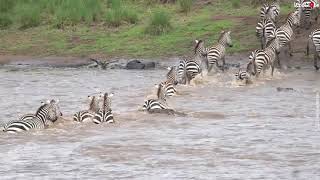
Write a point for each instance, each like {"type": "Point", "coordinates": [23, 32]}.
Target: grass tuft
{"type": "Point", "coordinates": [159, 23]}
{"type": "Point", "coordinates": [118, 14]}
{"type": "Point", "coordinates": [185, 5]}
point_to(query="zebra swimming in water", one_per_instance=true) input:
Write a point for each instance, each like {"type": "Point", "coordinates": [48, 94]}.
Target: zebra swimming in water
{"type": "Point", "coordinates": [87, 115]}
{"type": "Point", "coordinates": [158, 103]}
{"type": "Point", "coordinates": [171, 81]}
{"type": "Point", "coordinates": [48, 111]}
{"type": "Point", "coordinates": [261, 59]}
{"type": "Point", "coordinates": [105, 113]}
{"type": "Point", "coordinates": [314, 39]}
{"type": "Point", "coordinates": [218, 51]}
{"type": "Point", "coordinates": [244, 75]}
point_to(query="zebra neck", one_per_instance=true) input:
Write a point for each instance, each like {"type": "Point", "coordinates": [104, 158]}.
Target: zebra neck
{"type": "Point", "coordinates": [223, 41]}
{"type": "Point", "coordinates": [43, 115]}
{"type": "Point", "coordinates": [93, 105]}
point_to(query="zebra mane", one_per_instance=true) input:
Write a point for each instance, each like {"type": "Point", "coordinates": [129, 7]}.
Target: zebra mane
{"type": "Point", "coordinates": [197, 46]}
{"type": "Point", "coordinates": [221, 35]}
{"type": "Point", "coordinates": [41, 107]}
{"type": "Point", "coordinates": [105, 102]}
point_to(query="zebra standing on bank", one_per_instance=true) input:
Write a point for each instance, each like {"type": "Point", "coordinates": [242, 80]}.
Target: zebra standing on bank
{"type": "Point", "coordinates": [218, 51]}
{"type": "Point", "coordinates": [262, 59]}
{"type": "Point", "coordinates": [48, 111]}
{"type": "Point", "coordinates": [171, 81]}
{"type": "Point", "coordinates": [190, 67]}
{"type": "Point", "coordinates": [87, 115]}
{"type": "Point", "coordinates": [158, 103]}
{"type": "Point", "coordinates": [305, 12]}
{"type": "Point", "coordinates": [285, 32]}
{"type": "Point", "coordinates": [105, 113]}
{"type": "Point", "coordinates": [314, 38]}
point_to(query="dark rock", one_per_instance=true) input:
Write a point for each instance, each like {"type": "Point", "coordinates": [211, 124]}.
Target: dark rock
{"type": "Point", "coordinates": [149, 65]}
{"type": "Point", "coordinates": [135, 64]}
{"type": "Point", "coordinates": [280, 89]}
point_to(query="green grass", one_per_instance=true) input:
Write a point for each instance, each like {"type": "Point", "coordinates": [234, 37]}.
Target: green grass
{"type": "Point", "coordinates": [137, 30]}
{"type": "Point", "coordinates": [185, 5]}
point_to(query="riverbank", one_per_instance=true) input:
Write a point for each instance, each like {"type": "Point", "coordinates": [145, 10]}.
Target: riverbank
{"type": "Point", "coordinates": [206, 20]}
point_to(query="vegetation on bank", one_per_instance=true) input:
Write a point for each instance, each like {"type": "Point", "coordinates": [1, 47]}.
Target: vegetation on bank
{"type": "Point", "coordinates": [126, 28]}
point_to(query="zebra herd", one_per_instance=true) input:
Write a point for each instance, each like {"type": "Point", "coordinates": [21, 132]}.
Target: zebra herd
{"type": "Point", "coordinates": [203, 61]}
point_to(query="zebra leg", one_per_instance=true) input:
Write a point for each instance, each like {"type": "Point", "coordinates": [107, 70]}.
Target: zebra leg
{"type": "Point", "coordinates": [210, 68]}
{"type": "Point", "coordinates": [278, 59]}
{"type": "Point", "coordinates": [272, 69]}
{"type": "Point", "coordinates": [290, 48]}
{"type": "Point", "coordinates": [316, 58]}
{"type": "Point", "coordinates": [223, 62]}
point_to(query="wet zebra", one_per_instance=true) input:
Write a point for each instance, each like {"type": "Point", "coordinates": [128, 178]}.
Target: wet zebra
{"type": "Point", "coordinates": [156, 103]}
{"type": "Point", "coordinates": [262, 59]}
{"type": "Point", "coordinates": [285, 32]}
{"type": "Point", "coordinates": [271, 11]}
{"type": "Point", "coordinates": [105, 113]}
{"type": "Point", "coordinates": [189, 68]}
{"type": "Point", "coordinates": [265, 31]}
{"type": "Point", "coordinates": [87, 115]}
{"type": "Point", "coordinates": [314, 39]}
{"type": "Point", "coordinates": [48, 111]}
{"type": "Point", "coordinates": [171, 81]}
{"type": "Point", "coordinates": [218, 51]}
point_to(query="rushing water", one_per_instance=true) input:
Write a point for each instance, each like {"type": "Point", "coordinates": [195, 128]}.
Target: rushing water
{"type": "Point", "coordinates": [230, 131]}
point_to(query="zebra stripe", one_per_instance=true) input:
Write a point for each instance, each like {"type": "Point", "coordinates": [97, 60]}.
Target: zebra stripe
{"type": "Point", "coordinates": [47, 112]}
{"type": "Point", "coordinates": [158, 103]}
{"type": "Point", "coordinates": [169, 88]}
{"type": "Point", "coordinates": [105, 113]}
{"type": "Point", "coordinates": [242, 75]}
{"type": "Point", "coordinates": [285, 32]}
{"type": "Point", "coordinates": [315, 40]}
{"type": "Point", "coordinates": [217, 52]}
{"type": "Point", "coordinates": [261, 59]}
{"type": "Point", "coordinates": [265, 31]}
{"type": "Point", "coordinates": [87, 115]}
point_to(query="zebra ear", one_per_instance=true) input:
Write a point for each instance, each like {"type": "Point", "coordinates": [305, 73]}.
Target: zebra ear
{"type": "Point", "coordinates": [42, 103]}
{"type": "Point", "coordinates": [48, 102]}
{"type": "Point", "coordinates": [57, 101]}
{"type": "Point", "coordinates": [110, 95]}
{"type": "Point", "coordinates": [197, 41]}
{"type": "Point", "coordinates": [169, 68]}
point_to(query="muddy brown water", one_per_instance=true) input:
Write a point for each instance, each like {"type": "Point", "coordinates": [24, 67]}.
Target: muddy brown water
{"type": "Point", "coordinates": [230, 131]}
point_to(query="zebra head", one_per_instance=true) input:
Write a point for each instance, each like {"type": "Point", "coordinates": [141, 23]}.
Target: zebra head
{"type": "Point", "coordinates": [107, 101]}
{"type": "Point", "coordinates": [172, 75]}
{"type": "Point", "coordinates": [225, 38]}
{"type": "Point", "coordinates": [293, 19]}
{"type": "Point", "coordinates": [50, 111]}
{"type": "Point", "coordinates": [94, 102]}
{"type": "Point", "coordinates": [199, 49]}
{"type": "Point", "coordinates": [161, 95]}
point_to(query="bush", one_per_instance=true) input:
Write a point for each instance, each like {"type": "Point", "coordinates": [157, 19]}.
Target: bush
{"type": "Point", "coordinates": [235, 3]}
{"type": "Point", "coordinates": [159, 23]}
{"type": "Point", "coordinates": [185, 5]}
{"type": "Point", "coordinates": [27, 15]}
{"type": "Point", "coordinates": [118, 14]}
{"type": "Point", "coordinates": [5, 21]}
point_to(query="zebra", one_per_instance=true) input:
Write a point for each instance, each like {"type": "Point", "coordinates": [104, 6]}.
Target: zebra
{"type": "Point", "coordinates": [171, 81]}
{"type": "Point", "coordinates": [314, 38]}
{"type": "Point", "coordinates": [305, 11]}
{"type": "Point", "coordinates": [285, 32]}
{"type": "Point", "coordinates": [217, 51]}
{"type": "Point", "coordinates": [261, 59]}
{"type": "Point", "coordinates": [188, 68]}
{"type": "Point", "coordinates": [271, 11]}
{"type": "Point", "coordinates": [105, 113]}
{"type": "Point", "coordinates": [48, 111]}
{"type": "Point", "coordinates": [158, 103]}
{"type": "Point", "coordinates": [264, 30]}
{"type": "Point", "coordinates": [87, 115]}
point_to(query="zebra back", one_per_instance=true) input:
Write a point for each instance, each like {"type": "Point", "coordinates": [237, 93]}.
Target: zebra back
{"type": "Point", "coordinates": [265, 30]}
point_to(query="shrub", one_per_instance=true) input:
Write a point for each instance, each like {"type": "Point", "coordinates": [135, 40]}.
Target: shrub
{"type": "Point", "coordinates": [185, 5]}
{"type": "Point", "coordinates": [159, 23]}
{"type": "Point", "coordinates": [5, 21]}
{"type": "Point", "coordinates": [235, 3]}
{"type": "Point", "coordinates": [118, 14]}
{"type": "Point", "coordinates": [27, 15]}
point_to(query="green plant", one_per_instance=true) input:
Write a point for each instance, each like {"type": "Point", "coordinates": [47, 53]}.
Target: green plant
{"type": "Point", "coordinates": [159, 23]}
{"type": "Point", "coordinates": [27, 15]}
{"type": "Point", "coordinates": [118, 14]}
{"type": "Point", "coordinates": [235, 3]}
{"type": "Point", "coordinates": [185, 5]}
{"type": "Point", "coordinates": [5, 21]}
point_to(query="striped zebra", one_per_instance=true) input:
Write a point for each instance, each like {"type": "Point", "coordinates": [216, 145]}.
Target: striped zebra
{"type": "Point", "coordinates": [265, 31]}
{"type": "Point", "coordinates": [271, 11]}
{"type": "Point", "coordinates": [243, 75]}
{"type": "Point", "coordinates": [190, 67]}
{"type": "Point", "coordinates": [305, 11]}
{"type": "Point", "coordinates": [285, 32]}
{"type": "Point", "coordinates": [314, 38]}
{"type": "Point", "coordinates": [158, 103]}
{"type": "Point", "coordinates": [48, 111]}
{"type": "Point", "coordinates": [87, 115]}
{"type": "Point", "coordinates": [171, 81]}
{"type": "Point", "coordinates": [218, 51]}
{"type": "Point", "coordinates": [105, 113]}
{"type": "Point", "coordinates": [262, 59]}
